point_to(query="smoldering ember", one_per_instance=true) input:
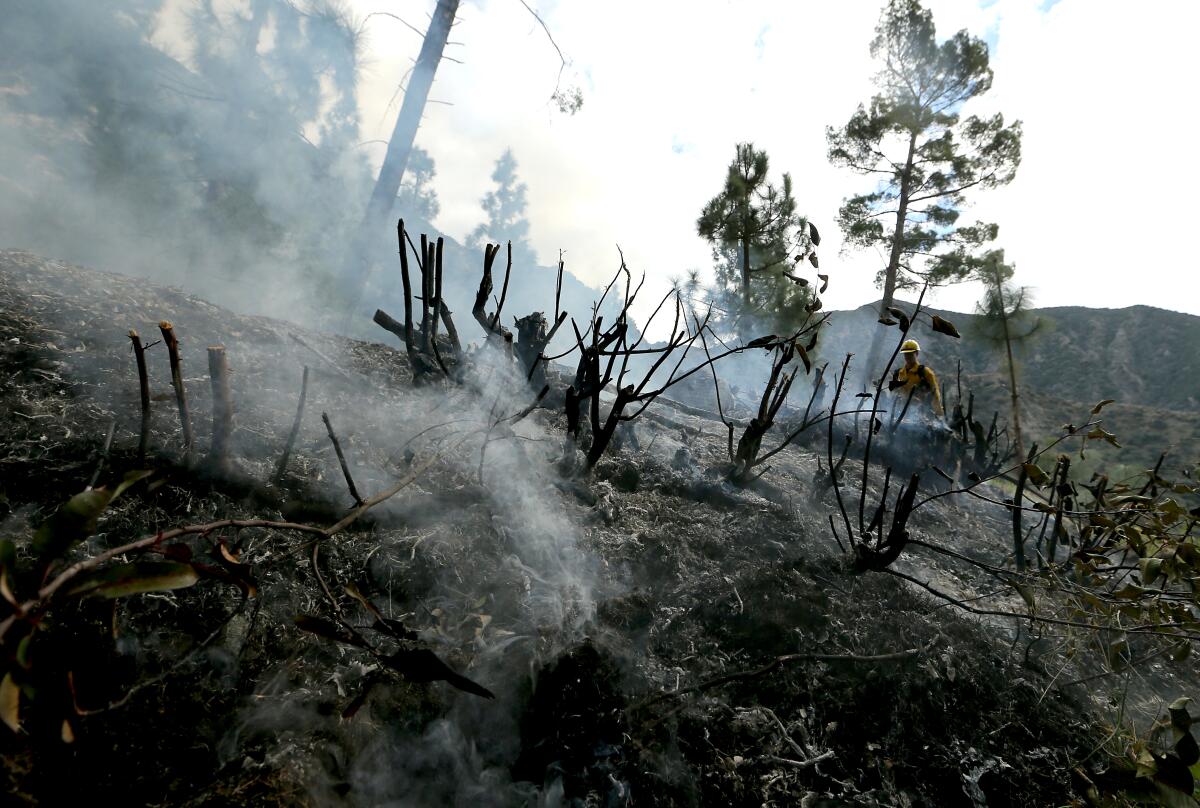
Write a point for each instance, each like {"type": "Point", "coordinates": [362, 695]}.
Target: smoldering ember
{"type": "Point", "coordinates": [321, 485]}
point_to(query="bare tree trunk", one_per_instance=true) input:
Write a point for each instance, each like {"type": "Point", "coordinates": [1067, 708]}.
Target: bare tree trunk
{"type": "Point", "coordinates": [400, 146]}
{"type": "Point", "coordinates": [746, 274]}
{"type": "Point", "coordinates": [893, 267]}
{"type": "Point", "coordinates": [1012, 367]}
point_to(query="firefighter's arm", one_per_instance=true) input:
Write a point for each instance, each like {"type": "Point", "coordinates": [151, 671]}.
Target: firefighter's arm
{"type": "Point", "coordinates": [937, 393]}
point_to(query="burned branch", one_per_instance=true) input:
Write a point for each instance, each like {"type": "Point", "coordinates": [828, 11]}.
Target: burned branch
{"type": "Point", "coordinates": [139, 353]}
{"type": "Point", "coordinates": [185, 419]}
{"type": "Point", "coordinates": [337, 448]}
{"type": "Point", "coordinates": [425, 355]}
{"type": "Point", "coordinates": [490, 323]}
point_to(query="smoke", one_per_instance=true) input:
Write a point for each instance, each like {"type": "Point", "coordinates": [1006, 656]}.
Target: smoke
{"type": "Point", "coordinates": [230, 171]}
{"type": "Point", "coordinates": [504, 554]}
{"type": "Point", "coordinates": [227, 163]}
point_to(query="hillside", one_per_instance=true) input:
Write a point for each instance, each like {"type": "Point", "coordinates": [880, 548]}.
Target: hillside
{"type": "Point", "coordinates": [1146, 359]}
{"type": "Point", "coordinates": [651, 634]}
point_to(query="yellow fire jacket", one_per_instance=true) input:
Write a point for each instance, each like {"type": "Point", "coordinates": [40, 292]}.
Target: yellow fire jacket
{"type": "Point", "coordinates": [928, 394]}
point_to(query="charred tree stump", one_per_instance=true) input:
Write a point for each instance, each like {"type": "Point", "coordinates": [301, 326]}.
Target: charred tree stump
{"type": "Point", "coordinates": [139, 353]}
{"type": "Point", "coordinates": [532, 340]}
{"type": "Point", "coordinates": [291, 438]}
{"type": "Point", "coordinates": [185, 418]}
{"type": "Point", "coordinates": [222, 429]}
{"type": "Point", "coordinates": [420, 344]}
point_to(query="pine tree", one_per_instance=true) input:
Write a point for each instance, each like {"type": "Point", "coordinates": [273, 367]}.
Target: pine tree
{"type": "Point", "coordinates": [753, 228]}
{"type": "Point", "coordinates": [505, 207]}
{"type": "Point", "coordinates": [1005, 320]}
{"type": "Point", "coordinates": [923, 155]}
{"type": "Point", "coordinates": [417, 201]}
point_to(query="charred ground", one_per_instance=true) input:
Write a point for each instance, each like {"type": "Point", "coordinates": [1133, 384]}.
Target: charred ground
{"type": "Point", "coordinates": [661, 638]}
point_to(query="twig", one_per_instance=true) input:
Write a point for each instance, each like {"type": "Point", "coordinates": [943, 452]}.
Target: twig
{"type": "Point", "coordinates": [145, 683]}
{"type": "Point", "coordinates": [332, 364]}
{"type": "Point", "coordinates": [185, 419]}
{"type": "Point", "coordinates": [291, 438]}
{"type": "Point", "coordinates": [801, 764]}
{"type": "Point", "coordinates": [779, 662]}
{"type": "Point", "coordinates": [337, 448]}
{"type": "Point", "coordinates": [104, 450]}
{"type": "Point", "coordinates": [139, 353]}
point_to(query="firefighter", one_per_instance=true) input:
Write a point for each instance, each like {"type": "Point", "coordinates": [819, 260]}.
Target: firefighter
{"type": "Point", "coordinates": [919, 432]}
{"type": "Point", "coordinates": [919, 382]}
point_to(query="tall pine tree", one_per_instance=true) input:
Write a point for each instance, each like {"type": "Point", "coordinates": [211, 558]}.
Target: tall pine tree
{"type": "Point", "coordinates": [923, 155]}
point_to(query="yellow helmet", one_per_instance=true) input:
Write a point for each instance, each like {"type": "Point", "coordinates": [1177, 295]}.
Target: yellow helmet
{"type": "Point", "coordinates": [910, 346]}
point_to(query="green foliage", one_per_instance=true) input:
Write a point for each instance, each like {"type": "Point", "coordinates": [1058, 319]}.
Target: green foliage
{"type": "Point", "coordinates": [122, 580]}
{"type": "Point", "coordinates": [76, 519]}
{"type": "Point", "coordinates": [924, 156]}
{"type": "Point", "coordinates": [755, 233]}
{"type": "Point", "coordinates": [28, 595]}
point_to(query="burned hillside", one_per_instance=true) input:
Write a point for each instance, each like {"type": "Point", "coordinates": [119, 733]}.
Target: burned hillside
{"type": "Point", "coordinates": [518, 624]}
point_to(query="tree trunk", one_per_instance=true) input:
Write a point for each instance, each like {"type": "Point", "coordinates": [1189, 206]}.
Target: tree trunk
{"type": "Point", "coordinates": [746, 275]}
{"type": "Point", "coordinates": [1012, 367]}
{"type": "Point", "coordinates": [387, 186]}
{"type": "Point", "coordinates": [893, 267]}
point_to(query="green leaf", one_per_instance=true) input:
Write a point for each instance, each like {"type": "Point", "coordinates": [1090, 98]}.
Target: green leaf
{"type": "Point", "coordinates": [1187, 750]}
{"type": "Point", "coordinates": [1026, 594]}
{"type": "Point", "coordinates": [76, 520]}
{"type": "Point", "coordinates": [8, 568]}
{"type": "Point", "coordinates": [10, 703]}
{"type": "Point", "coordinates": [131, 478]}
{"type": "Point", "coordinates": [135, 578]}
{"type": "Point", "coordinates": [1035, 474]}
{"type": "Point", "coordinates": [1150, 569]}
{"type": "Point", "coordinates": [71, 523]}
{"type": "Point", "coordinates": [1179, 713]}
{"type": "Point", "coordinates": [1168, 796]}
{"type": "Point", "coordinates": [1147, 766]}
{"type": "Point", "coordinates": [1096, 409]}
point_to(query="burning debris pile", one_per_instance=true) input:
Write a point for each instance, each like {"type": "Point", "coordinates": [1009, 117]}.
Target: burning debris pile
{"type": "Point", "coordinates": [330, 572]}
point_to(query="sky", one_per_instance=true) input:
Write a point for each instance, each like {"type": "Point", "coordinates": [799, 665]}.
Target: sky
{"type": "Point", "coordinates": [1098, 214]}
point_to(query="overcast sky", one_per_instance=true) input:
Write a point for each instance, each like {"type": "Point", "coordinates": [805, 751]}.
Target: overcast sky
{"type": "Point", "coordinates": [1099, 214]}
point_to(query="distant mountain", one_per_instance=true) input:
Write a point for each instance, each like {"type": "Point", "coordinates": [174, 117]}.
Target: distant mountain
{"type": "Point", "coordinates": [1146, 359]}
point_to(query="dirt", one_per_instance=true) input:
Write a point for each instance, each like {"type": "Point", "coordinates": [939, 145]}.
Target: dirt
{"type": "Point", "coordinates": [600, 609]}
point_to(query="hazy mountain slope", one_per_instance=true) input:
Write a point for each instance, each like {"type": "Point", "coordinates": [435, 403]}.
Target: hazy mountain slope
{"type": "Point", "coordinates": [1146, 359]}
